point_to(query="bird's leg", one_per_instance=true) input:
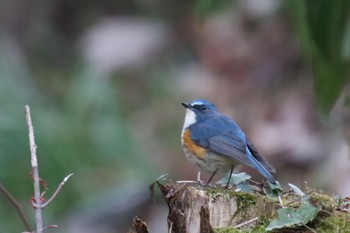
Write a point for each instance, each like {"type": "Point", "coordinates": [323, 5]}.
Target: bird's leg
{"type": "Point", "coordinates": [229, 178]}
{"type": "Point", "coordinates": [199, 180]}
{"type": "Point", "coordinates": [211, 177]}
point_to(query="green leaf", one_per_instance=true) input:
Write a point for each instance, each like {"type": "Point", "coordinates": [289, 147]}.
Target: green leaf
{"type": "Point", "coordinates": [276, 188]}
{"type": "Point", "coordinates": [235, 178]}
{"type": "Point", "coordinates": [280, 223]}
{"type": "Point", "coordinates": [240, 181]}
{"type": "Point", "coordinates": [288, 217]}
{"type": "Point", "coordinates": [307, 213]}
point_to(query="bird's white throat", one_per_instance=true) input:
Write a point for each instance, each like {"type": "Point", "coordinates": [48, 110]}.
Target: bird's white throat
{"type": "Point", "coordinates": [190, 119]}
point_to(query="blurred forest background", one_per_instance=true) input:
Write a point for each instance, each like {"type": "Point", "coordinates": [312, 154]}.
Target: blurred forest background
{"type": "Point", "coordinates": [104, 80]}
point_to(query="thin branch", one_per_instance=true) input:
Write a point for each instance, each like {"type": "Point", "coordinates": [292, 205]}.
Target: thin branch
{"type": "Point", "coordinates": [17, 206]}
{"type": "Point", "coordinates": [57, 191]}
{"type": "Point", "coordinates": [246, 223]}
{"type": "Point", "coordinates": [309, 228]}
{"type": "Point", "coordinates": [45, 228]}
{"type": "Point", "coordinates": [34, 161]}
{"type": "Point", "coordinates": [280, 201]}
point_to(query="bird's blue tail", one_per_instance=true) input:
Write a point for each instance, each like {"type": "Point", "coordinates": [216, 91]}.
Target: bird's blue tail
{"type": "Point", "coordinates": [257, 165]}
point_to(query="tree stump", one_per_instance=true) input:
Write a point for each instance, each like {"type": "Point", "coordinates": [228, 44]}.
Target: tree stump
{"type": "Point", "coordinates": [195, 208]}
{"type": "Point", "coordinates": [198, 209]}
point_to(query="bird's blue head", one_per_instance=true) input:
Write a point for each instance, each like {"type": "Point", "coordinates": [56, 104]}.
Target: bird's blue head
{"type": "Point", "coordinates": [198, 110]}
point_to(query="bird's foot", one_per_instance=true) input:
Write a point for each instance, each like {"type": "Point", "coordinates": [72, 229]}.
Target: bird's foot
{"type": "Point", "coordinates": [200, 181]}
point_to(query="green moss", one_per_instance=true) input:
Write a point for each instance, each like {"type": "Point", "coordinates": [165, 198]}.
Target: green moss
{"type": "Point", "coordinates": [291, 200]}
{"type": "Point", "coordinates": [326, 201]}
{"type": "Point", "coordinates": [226, 230]}
{"type": "Point", "coordinates": [335, 223]}
{"type": "Point", "coordinates": [244, 202]}
{"type": "Point", "coordinates": [338, 222]}
{"type": "Point", "coordinates": [243, 199]}
{"type": "Point", "coordinates": [218, 192]}
{"type": "Point", "coordinates": [270, 199]}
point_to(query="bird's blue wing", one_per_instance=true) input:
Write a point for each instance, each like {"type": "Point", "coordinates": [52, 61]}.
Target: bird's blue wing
{"type": "Point", "coordinates": [221, 136]}
{"type": "Point", "coordinates": [224, 137]}
{"type": "Point", "coordinates": [229, 146]}
{"type": "Point", "coordinates": [233, 148]}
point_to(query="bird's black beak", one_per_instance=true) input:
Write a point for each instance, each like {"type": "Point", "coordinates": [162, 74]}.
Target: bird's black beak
{"type": "Point", "coordinates": [186, 105]}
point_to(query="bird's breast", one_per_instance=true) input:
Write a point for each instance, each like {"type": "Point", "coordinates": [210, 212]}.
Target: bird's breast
{"type": "Point", "coordinates": [191, 146]}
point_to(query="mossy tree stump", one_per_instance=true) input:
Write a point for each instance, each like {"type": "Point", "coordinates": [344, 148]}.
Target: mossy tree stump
{"type": "Point", "coordinates": [197, 209]}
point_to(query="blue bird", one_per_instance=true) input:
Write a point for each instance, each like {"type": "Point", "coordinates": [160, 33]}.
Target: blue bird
{"type": "Point", "coordinates": [214, 143]}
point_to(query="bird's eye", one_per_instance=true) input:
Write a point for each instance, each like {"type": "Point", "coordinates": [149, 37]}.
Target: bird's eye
{"type": "Point", "coordinates": [203, 107]}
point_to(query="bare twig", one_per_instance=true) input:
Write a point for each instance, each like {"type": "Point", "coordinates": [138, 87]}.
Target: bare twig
{"type": "Point", "coordinates": [309, 228]}
{"type": "Point", "coordinates": [45, 228]}
{"type": "Point", "coordinates": [280, 201]}
{"type": "Point", "coordinates": [57, 191]}
{"type": "Point", "coordinates": [17, 206]}
{"type": "Point", "coordinates": [34, 161]}
{"type": "Point", "coordinates": [246, 223]}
